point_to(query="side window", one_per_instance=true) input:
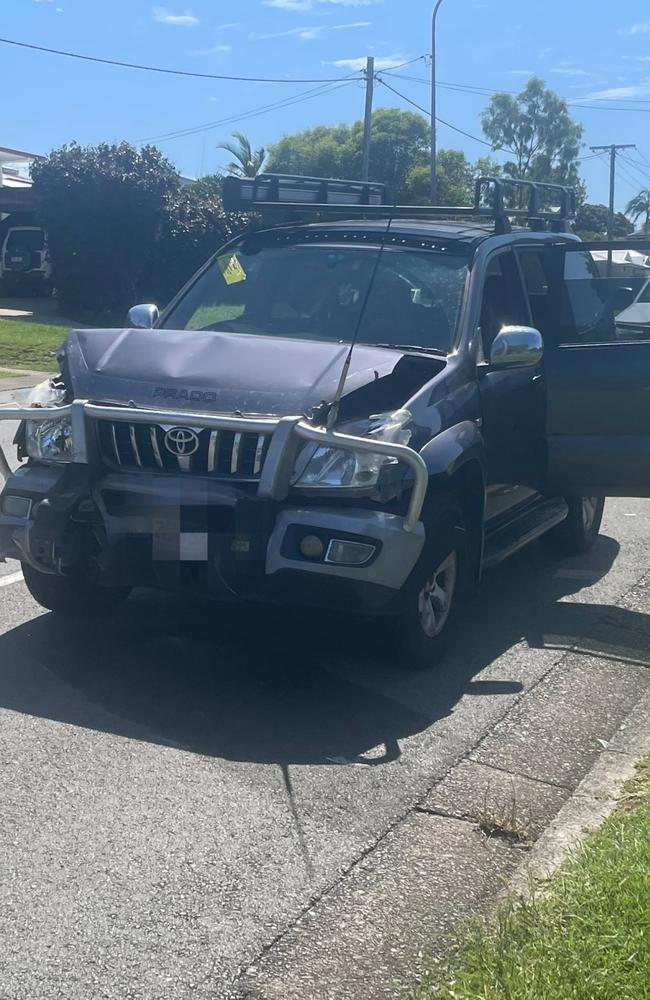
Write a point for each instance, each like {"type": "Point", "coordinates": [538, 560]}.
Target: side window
{"type": "Point", "coordinates": [537, 282]}
{"type": "Point", "coordinates": [504, 302]}
{"type": "Point", "coordinates": [603, 297]}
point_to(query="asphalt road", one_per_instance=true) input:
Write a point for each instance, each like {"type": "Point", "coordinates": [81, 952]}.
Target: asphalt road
{"type": "Point", "coordinates": [178, 784]}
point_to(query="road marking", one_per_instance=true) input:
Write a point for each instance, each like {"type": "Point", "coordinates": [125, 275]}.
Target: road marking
{"type": "Point", "coordinates": [6, 581]}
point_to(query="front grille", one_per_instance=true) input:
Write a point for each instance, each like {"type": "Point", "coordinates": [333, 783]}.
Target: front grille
{"type": "Point", "coordinates": [219, 453]}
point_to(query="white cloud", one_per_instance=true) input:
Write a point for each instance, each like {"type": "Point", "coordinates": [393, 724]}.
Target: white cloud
{"type": "Point", "coordinates": [620, 93]}
{"type": "Point", "coordinates": [214, 50]}
{"type": "Point", "coordinates": [569, 71]}
{"type": "Point", "coordinates": [359, 62]}
{"type": "Point", "coordinates": [640, 28]}
{"type": "Point", "coordinates": [232, 25]}
{"type": "Point", "coordinates": [302, 5]}
{"type": "Point", "coordinates": [164, 16]}
{"type": "Point", "coordinates": [308, 34]}
{"type": "Point", "coordinates": [521, 72]}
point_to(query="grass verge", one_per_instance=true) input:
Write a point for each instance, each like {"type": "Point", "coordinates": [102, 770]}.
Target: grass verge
{"type": "Point", "coordinates": [30, 345]}
{"type": "Point", "coordinates": [586, 938]}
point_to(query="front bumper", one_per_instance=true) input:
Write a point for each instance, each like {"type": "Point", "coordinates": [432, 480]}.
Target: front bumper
{"type": "Point", "coordinates": [175, 535]}
{"type": "Point", "coordinates": [237, 540]}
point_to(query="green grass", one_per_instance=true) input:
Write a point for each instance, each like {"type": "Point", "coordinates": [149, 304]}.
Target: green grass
{"type": "Point", "coordinates": [8, 374]}
{"type": "Point", "coordinates": [30, 345]}
{"type": "Point", "coordinates": [586, 938]}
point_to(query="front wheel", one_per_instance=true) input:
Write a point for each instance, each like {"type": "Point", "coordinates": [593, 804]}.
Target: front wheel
{"type": "Point", "coordinates": [577, 533]}
{"type": "Point", "coordinates": [72, 597]}
{"type": "Point", "coordinates": [433, 594]}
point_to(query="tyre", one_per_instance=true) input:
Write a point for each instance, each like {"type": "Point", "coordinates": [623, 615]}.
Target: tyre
{"type": "Point", "coordinates": [72, 597]}
{"type": "Point", "coordinates": [577, 533]}
{"type": "Point", "coordinates": [434, 592]}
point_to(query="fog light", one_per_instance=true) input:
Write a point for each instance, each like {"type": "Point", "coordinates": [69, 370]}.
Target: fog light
{"type": "Point", "coordinates": [16, 506]}
{"type": "Point", "coordinates": [349, 553]}
{"type": "Point", "coordinates": [312, 547]}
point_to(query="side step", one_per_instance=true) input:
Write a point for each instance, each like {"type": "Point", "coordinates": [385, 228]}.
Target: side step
{"type": "Point", "coordinates": [524, 528]}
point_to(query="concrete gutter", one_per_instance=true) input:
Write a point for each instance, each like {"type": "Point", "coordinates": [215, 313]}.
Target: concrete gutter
{"type": "Point", "coordinates": [594, 800]}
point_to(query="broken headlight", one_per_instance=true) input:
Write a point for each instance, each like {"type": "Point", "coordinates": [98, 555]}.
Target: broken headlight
{"type": "Point", "coordinates": [48, 440]}
{"type": "Point", "coordinates": [330, 467]}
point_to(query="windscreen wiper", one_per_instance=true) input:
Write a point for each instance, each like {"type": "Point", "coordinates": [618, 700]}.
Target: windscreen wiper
{"type": "Point", "coordinates": [414, 347]}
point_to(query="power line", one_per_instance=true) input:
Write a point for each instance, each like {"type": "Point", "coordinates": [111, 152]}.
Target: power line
{"type": "Point", "coordinates": [638, 167]}
{"type": "Point", "coordinates": [159, 69]}
{"type": "Point", "coordinates": [639, 176]}
{"type": "Point", "coordinates": [644, 158]}
{"type": "Point", "coordinates": [485, 92]}
{"type": "Point", "coordinates": [442, 121]}
{"type": "Point", "coordinates": [245, 115]}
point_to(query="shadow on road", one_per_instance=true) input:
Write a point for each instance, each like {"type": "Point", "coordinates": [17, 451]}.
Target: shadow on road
{"type": "Point", "coordinates": [291, 687]}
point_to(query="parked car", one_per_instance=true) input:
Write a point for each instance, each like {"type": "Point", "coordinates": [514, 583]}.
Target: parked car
{"type": "Point", "coordinates": [358, 407]}
{"type": "Point", "coordinates": [25, 267]}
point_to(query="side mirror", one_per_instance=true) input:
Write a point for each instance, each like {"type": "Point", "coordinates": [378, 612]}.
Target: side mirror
{"type": "Point", "coordinates": [143, 317]}
{"type": "Point", "coordinates": [516, 347]}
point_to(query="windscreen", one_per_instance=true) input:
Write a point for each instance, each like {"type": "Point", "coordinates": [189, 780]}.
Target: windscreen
{"type": "Point", "coordinates": [317, 292]}
{"type": "Point", "coordinates": [30, 239]}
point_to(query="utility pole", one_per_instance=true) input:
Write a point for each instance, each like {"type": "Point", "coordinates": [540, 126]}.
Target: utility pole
{"type": "Point", "coordinates": [367, 121]}
{"type": "Point", "coordinates": [434, 151]}
{"type": "Point", "coordinates": [612, 150]}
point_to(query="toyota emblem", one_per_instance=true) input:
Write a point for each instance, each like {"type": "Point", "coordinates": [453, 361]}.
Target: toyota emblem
{"type": "Point", "coordinates": [181, 442]}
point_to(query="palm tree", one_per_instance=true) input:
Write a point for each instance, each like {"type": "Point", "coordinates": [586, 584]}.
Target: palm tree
{"type": "Point", "coordinates": [248, 162]}
{"type": "Point", "coordinates": [638, 206]}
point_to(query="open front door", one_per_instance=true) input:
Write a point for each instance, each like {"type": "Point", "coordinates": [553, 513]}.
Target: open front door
{"type": "Point", "coordinates": [597, 369]}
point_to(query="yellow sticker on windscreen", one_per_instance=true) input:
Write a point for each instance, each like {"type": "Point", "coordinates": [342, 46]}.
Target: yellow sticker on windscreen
{"type": "Point", "coordinates": [231, 268]}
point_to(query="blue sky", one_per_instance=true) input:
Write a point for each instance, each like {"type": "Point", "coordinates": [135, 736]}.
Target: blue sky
{"type": "Point", "coordinates": [591, 52]}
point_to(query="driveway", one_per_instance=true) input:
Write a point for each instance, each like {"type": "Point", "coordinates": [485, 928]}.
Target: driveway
{"type": "Point", "coordinates": [182, 783]}
{"type": "Point", "coordinates": [34, 310]}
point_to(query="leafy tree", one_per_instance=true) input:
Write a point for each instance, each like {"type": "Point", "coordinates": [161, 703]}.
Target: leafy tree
{"type": "Point", "coordinates": [194, 227]}
{"type": "Point", "coordinates": [120, 225]}
{"type": "Point", "coordinates": [455, 180]}
{"type": "Point", "coordinates": [210, 186]}
{"type": "Point", "coordinates": [487, 166]}
{"type": "Point", "coordinates": [248, 162]}
{"type": "Point", "coordinates": [536, 127]}
{"type": "Point", "coordinates": [640, 206]}
{"type": "Point", "coordinates": [400, 142]}
{"type": "Point", "coordinates": [591, 223]}
{"type": "Point", "coordinates": [104, 208]}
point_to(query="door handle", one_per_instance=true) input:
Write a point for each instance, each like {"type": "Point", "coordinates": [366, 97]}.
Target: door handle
{"type": "Point", "coordinates": [538, 378]}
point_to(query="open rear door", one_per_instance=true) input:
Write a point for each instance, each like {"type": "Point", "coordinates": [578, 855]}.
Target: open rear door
{"type": "Point", "coordinates": [597, 370]}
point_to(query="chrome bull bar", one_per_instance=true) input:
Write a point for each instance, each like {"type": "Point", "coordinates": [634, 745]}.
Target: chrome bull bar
{"type": "Point", "coordinates": [278, 465]}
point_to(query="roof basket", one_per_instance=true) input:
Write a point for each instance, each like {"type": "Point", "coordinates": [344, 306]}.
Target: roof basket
{"type": "Point", "coordinates": [291, 198]}
{"type": "Point", "coordinates": [309, 193]}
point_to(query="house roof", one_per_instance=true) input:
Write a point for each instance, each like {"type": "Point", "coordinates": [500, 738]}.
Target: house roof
{"type": "Point", "coordinates": [9, 155]}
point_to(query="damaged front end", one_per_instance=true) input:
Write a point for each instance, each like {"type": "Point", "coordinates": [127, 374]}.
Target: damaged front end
{"type": "Point", "coordinates": [41, 494]}
{"type": "Point", "coordinates": [68, 511]}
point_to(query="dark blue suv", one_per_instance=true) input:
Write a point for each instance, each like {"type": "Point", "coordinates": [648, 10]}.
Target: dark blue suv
{"type": "Point", "coordinates": [351, 405]}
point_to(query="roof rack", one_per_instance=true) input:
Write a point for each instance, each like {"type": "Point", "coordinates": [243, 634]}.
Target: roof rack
{"type": "Point", "coordinates": [291, 198]}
